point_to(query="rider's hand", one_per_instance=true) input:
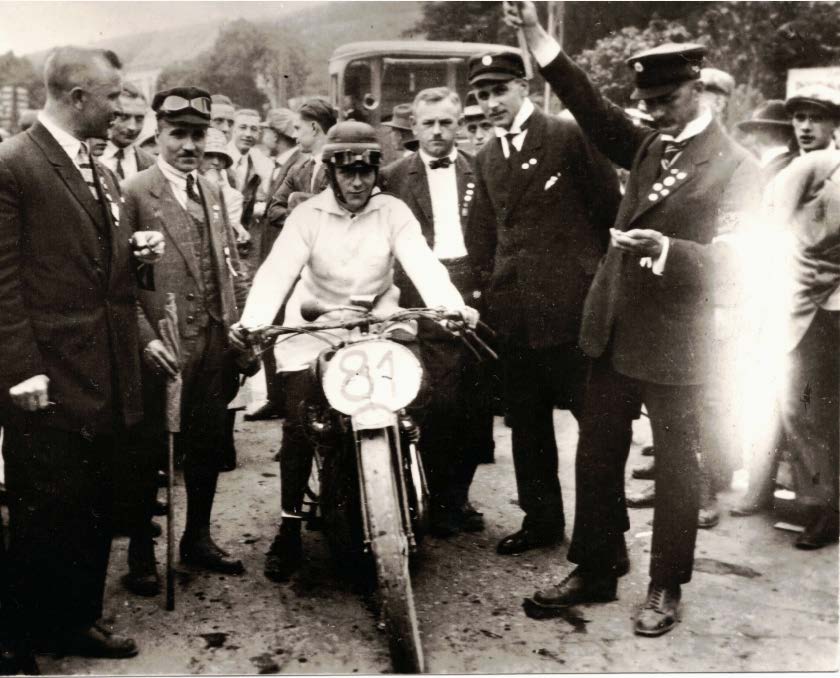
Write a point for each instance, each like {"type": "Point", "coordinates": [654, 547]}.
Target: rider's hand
{"type": "Point", "coordinates": [469, 314]}
{"type": "Point", "coordinates": [238, 336]}
{"type": "Point", "coordinates": [158, 358]}
{"type": "Point", "coordinates": [31, 394]}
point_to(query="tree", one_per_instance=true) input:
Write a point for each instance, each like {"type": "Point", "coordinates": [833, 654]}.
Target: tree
{"type": "Point", "coordinates": [18, 71]}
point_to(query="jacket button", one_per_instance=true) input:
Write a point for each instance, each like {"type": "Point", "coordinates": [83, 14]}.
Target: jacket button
{"type": "Point", "coordinates": [190, 296]}
{"type": "Point", "coordinates": [190, 319]}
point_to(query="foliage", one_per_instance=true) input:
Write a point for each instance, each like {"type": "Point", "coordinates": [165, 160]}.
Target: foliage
{"type": "Point", "coordinates": [19, 71]}
{"type": "Point", "coordinates": [254, 65]}
{"type": "Point", "coordinates": [464, 22]}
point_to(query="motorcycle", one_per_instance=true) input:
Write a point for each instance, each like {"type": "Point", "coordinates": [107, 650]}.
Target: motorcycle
{"type": "Point", "coordinates": [372, 502]}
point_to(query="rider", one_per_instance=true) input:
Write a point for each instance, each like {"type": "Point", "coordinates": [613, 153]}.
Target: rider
{"type": "Point", "coordinates": [342, 243]}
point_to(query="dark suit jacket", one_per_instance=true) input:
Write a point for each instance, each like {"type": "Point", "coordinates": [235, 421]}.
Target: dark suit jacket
{"type": "Point", "coordinates": [298, 180]}
{"type": "Point", "coordinates": [537, 229]}
{"type": "Point", "coordinates": [660, 328]}
{"type": "Point", "coordinates": [67, 297]}
{"type": "Point", "coordinates": [406, 178]}
{"type": "Point", "coordinates": [144, 160]}
{"type": "Point", "coordinates": [151, 205]}
{"type": "Point", "coordinates": [269, 232]}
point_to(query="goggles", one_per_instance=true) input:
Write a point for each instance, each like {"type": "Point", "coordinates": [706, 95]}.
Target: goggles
{"type": "Point", "coordinates": [174, 104]}
{"type": "Point", "coordinates": [346, 158]}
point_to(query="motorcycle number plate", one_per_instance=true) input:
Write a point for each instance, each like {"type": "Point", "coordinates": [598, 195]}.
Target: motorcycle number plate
{"type": "Point", "coordinates": [372, 375]}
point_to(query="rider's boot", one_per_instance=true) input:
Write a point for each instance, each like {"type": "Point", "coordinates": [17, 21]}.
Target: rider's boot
{"type": "Point", "coordinates": [286, 553]}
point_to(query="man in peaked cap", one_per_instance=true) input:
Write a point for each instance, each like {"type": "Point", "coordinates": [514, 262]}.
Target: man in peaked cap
{"type": "Point", "coordinates": [815, 111]}
{"type": "Point", "coordinates": [539, 221]}
{"type": "Point", "coordinates": [648, 316]}
{"type": "Point", "coordinates": [201, 267]}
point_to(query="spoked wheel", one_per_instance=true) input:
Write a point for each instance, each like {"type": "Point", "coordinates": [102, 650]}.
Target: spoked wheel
{"type": "Point", "coordinates": [390, 551]}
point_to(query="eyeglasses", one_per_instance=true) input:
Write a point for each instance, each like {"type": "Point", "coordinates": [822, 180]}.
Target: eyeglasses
{"type": "Point", "coordinates": [370, 157]}
{"type": "Point", "coordinates": [174, 103]}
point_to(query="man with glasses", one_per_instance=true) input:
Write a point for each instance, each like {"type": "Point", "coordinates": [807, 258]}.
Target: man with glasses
{"type": "Point", "coordinates": [201, 267]}
{"type": "Point", "coordinates": [121, 156]}
{"type": "Point", "coordinates": [649, 315]}
{"type": "Point", "coordinates": [539, 221]}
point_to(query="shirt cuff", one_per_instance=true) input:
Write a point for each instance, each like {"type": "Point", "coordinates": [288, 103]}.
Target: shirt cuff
{"type": "Point", "coordinates": [546, 52]}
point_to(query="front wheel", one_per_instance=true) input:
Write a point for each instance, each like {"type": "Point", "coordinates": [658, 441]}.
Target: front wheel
{"type": "Point", "coordinates": [390, 551]}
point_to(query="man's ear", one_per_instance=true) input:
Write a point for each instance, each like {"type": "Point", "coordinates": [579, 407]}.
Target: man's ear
{"type": "Point", "coordinates": [77, 97]}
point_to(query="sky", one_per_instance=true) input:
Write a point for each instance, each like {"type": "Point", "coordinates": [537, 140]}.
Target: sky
{"type": "Point", "coordinates": [28, 26]}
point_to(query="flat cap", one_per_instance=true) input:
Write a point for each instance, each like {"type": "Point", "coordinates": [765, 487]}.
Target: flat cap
{"type": "Point", "coordinates": [821, 96]}
{"type": "Point", "coordinates": [183, 105]}
{"type": "Point", "coordinates": [282, 121]}
{"type": "Point", "coordinates": [771, 114]}
{"type": "Point", "coordinates": [400, 117]}
{"type": "Point", "coordinates": [499, 67]}
{"type": "Point", "coordinates": [716, 80]}
{"type": "Point", "coordinates": [659, 71]}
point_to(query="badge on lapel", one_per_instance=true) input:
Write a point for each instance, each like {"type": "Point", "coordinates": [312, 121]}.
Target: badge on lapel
{"type": "Point", "coordinates": [468, 196]}
{"type": "Point", "coordinates": [552, 180]}
{"type": "Point", "coordinates": [662, 189]}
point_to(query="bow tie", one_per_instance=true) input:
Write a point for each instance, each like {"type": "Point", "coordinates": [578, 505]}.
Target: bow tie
{"type": "Point", "coordinates": [440, 163]}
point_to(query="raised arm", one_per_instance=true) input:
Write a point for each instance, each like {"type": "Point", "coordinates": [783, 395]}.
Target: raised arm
{"type": "Point", "coordinates": [606, 124]}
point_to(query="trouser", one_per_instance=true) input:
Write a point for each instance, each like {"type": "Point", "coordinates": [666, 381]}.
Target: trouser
{"type": "Point", "coordinates": [611, 404]}
{"type": "Point", "coordinates": [535, 382]}
{"type": "Point", "coordinates": [60, 494]}
{"type": "Point", "coordinates": [810, 411]}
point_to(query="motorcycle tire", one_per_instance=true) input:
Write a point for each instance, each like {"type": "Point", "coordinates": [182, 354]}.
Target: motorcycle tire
{"type": "Point", "coordinates": [390, 551]}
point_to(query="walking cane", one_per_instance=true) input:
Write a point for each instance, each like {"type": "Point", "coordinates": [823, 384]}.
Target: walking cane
{"type": "Point", "coordinates": [168, 330]}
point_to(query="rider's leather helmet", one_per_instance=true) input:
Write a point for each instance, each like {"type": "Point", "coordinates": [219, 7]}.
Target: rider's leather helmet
{"type": "Point", "coordinates": [354, 146]}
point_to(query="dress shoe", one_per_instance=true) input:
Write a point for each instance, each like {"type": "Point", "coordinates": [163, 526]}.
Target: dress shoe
{"type": "Point", "coordinates": [578, 587]}
{"type": "Point", "coordinates": [205, 554]}
{"type": "Point", "coordinates": [526, 539]}
{"type": "Point", "coordinates": [709, 514]}
{"type": "Point", "coordinates": [648, 451]}
{"type": "Point", "coordinates": [660, 613]}
{"type": "Point", "coordinates": [469, 519]}
{"type": "Point", "coordinates": [645, 471]}
{"type": "Point", "coordinates": [644, 499]}
{"type": "Point", "coordinates": [745, 510]}
{"type": "Point", "coordinates": [97, 641]}
{"type": "Point", "coordinates": [146, 584]}
{"type": "Point", "coordinates": [444, 523]}
{"type": "Point", "coordinates": [285, 555]}
{"type": "Point", "coordinates": [266, 411]}
{"type": "Point", "coordinates": [820, 531]}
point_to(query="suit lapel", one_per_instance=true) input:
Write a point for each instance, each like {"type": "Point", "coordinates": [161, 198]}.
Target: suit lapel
{"type": "Point", "coordinates": [466, 187]}
{"type": "Point", "coordinates": [213, 214]}
{"type": "Point", "coordinates": [523, 166]}
{"type": "Point", "coordinates": [68, 171]}
{"type": "Point", "coordinates": [420, 192]}
{"type": "Point", "coordinates": [173, 219]}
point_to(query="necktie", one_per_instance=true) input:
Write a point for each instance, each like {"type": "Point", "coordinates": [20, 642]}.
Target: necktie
{"type": "Point", "coordinates": [85, 165]}
{"type": "Point", "coordinates": [192, 194]}
{"type": "Point", "coordinates": [671, 151]}
{"type": "Point", "coordinates": [510, 136]}
{"type": "Point", "coordinates": [119, 155]}
{"type": "Point", "coordinates": [440, 163]}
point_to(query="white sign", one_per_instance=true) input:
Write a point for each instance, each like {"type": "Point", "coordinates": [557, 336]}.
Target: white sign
{"type": "Point", "coordinates": [799, 77]}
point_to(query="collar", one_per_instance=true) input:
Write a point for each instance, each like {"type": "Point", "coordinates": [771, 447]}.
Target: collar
{"type": "Point", "coordinates": [111, 150]}
{"type": "Point", "coordinates": [692, 129]}
{"type": "Point", "coordinates": [67, 141]}
{"type": "Point", "coordinates": [453, 156]}
{"type": "Point", "coordinates": [831, 147]}
{"type": "Point", "coordinates": [175, 175]}
{"type": "Point", "coordinates": [326, 201]}
{"type": "Point", "coordinates": [235, 154]}
{"type": "Point", "coordinates": [284, 156]}
{"type": "Point", "coordinates": [771, 154]}
{"type": "Point", "coordinates": [519, 119]}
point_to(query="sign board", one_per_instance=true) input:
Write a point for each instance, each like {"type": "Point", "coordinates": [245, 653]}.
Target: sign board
{"type": "Point", "coordinates": [799, 77]}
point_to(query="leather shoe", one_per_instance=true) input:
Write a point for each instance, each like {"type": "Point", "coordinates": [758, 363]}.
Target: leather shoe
{"type": "Point", "coordinates": [97, 641]}
{"type": "Point", "coordinates": [266, 411]}
{"type": "Point", "coordinates": [205, 554]}
{"type": "Point", "coordinates": [444, 523]}
{"type": "Point", "coordinates": [660, 613]}
{"type": "Point", "coordinates": [644, 499]}
{"type": "Point", "coordinates": [820, 531]}
{"type": "Point", "coordinates": [469, 519]}
{"type": "Point", "coordinates": [142, 583]}
{"type": "Point", "coordinates": [645, 471]}
{"type": "Point", "coordinates": [526, 539]}
{"type": "Point", "coordinates": [285, 556]}
{"type": "Point", "coordinates": [578, 587]}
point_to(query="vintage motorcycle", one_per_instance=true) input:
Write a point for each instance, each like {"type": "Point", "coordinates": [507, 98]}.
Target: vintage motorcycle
{"type": "Point", "coordinates": [372, 500]}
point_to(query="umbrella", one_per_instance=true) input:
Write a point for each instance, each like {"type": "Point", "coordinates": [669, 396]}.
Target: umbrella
{"type": "Point", "coordinates": [168, 331]}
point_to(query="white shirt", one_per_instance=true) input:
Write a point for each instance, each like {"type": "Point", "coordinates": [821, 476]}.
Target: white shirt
{"type": "Point", "coordinates": [177, 180]}
{"type": "Point", "coordinates": [280, 160]}
{"type": "Point", "coordinates": [443, 190]}
{"type": "Point", "coordinates": [771, 154]}
{"type": "Point", "coordinates": [519, 119]}
{"type": "Point", "coordinates": [69, 144]}
{"type": "Point", "coordinates": [129, 160]}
